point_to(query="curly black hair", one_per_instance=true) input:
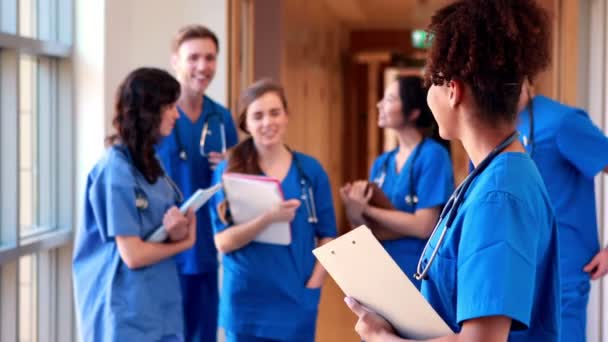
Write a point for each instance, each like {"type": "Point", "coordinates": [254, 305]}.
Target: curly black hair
{"type": "Point", "coordinates": [492, 46]}
{"type": "Point", "coordinates": [140, 101]}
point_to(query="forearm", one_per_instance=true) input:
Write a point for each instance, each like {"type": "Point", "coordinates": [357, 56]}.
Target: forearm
{"type": "Point", "coordinates": [484, 329]}
{"type": "Point", "coordinates": [418, 225]}
{"type": "Point", "coordinates": [137, 253]}
{"type": "Point", "coordinates": [353, 219]}
{"type": "Point", "coordinates": [237, 236]}
{"type": "Point", "coordinates": [353, 216]}
{"type": "Point", "coordinates": [318, 273]}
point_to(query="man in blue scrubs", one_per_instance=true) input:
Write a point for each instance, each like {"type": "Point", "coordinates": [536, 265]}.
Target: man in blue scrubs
{"type": "Point", "coordinates": [569, 150]}
{"type": "Point", "coordinates": [189, 161]}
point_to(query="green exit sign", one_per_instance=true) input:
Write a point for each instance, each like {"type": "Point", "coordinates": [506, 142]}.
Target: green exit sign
{"type": "Point", "coordinates": [420, 39]}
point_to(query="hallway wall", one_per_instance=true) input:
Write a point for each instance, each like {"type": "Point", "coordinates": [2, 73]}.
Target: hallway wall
{"type": "Point", "coordinates": [313, 43]}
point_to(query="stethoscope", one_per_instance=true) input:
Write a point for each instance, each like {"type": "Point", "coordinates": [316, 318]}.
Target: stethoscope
{"type": "Point", "coordinates": [451, 208]}
{"type": "Point", "coordinates": [215, 114]}
{"type": "Point", "coordinates": [411, 198]}
{"type": "Point", "coordinates": [307, 194]}
{"type": "Point", "coordinates": [141, 199]}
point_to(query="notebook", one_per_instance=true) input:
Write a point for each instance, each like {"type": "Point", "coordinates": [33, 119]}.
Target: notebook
{"type": "Point", "coordinates": [249, 196]}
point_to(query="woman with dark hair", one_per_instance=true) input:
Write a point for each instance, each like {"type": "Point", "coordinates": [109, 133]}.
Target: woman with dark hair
{"type": "Point", "coordinates": [490, 269]}
{"type": "Point", "coordinates": [271, 292]}
{"type": "Point", "coordinates": [416, 177]}
{"type": "Point", "coordinates": [127, 289]}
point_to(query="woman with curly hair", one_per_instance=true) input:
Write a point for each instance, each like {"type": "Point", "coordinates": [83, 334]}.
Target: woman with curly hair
{"type": "Point", "coordinates": [127, 289]}
{"type": "Point", "coordinates": [490, 268]}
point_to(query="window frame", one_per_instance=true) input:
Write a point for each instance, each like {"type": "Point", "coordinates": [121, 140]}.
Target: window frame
{"type": "Point", "coordinates": [50, 243]}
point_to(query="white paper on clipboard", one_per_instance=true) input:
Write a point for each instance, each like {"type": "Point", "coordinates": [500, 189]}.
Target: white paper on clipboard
{"type": "Point", "coordinates": [366, 272]}
{"type": "Point", "coordinates": [250, 196]}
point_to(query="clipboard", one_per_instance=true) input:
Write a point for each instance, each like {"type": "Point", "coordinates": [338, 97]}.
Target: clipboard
{"type": "Point", "coordinates": [249, 196]}
{"type": "Point", "coordinates": [365, 271]}
{"type": "Point", "coordinates": [379, 200]}
{"type": "Point", "coordinates": [196, 201]}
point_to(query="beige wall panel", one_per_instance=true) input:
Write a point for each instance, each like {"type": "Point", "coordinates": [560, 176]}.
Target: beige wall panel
{"type": "Point", "coordinates": [313, 42]}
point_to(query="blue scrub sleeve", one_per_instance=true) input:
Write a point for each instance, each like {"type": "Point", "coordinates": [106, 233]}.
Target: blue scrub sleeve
{"type": "Point", "coordinates": [216, 209]}
{"type": "Point", "coordinates": [232, 137]}
{"type": "Point", "coordinates": [112, 199]}
{"type": "Point", "coordinates": [496, 260]}
{"type": "Point", "coordinates": [435, 182]}
{"type": "Point", "coordinates": [583, 144]}
{"type": "Point", "coordinates": [326, 227]}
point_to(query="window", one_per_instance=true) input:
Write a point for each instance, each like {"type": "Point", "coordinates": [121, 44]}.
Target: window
{"type": "Point", "coordinates": [28, 312]}
{"type": "Point", "coordinates": [36, 176]}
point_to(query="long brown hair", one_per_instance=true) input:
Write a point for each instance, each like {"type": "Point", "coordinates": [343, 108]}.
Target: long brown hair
{"type": "Point", "coordinates": [244, 156]}
{"type": "Point", "coordinates": [139, 104]}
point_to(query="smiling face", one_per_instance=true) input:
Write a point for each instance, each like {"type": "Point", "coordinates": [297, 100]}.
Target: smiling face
{"type": "Point", "coordinates": [195, 62]}
{"type": "Point", "coordinates": [390, 108]}
{"type": "Point", "coordinates": [266, 120]}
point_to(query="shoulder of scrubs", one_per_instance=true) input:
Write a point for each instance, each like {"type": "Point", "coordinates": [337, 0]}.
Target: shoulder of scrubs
{"type": "Point", "coordinates": [217, 202]}
{"type": "Point", "coordinates": [326, 227]}
{"type": "Point", "coordinates": [231, 133]}
{"type": "Point", "coordinates": [379, 164]}
{"type": "Point", "coordinates": [501, 241]}
{"type": "Point", "coordinates": [433, 175]}
{"type": "Point", "coordinates": [582, 143]}
{"type": "Point", "coordinates": [112, 196]}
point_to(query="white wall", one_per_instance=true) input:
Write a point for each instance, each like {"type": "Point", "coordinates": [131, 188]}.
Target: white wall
{"type": "Point", "coordinates": [593, 95]}
{"type": "Point", "coordinates": [113, 37]}
{"type": "Point", "coordinates": [89, 101]}
{"type": "Point", "coordinates": [139, 33]}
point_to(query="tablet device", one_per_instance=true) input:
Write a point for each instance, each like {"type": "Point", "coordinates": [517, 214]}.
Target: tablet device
{"type": "Point", "coordinates": [196, 201]}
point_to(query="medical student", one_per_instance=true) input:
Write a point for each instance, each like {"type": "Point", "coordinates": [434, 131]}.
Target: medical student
{"type": "Point", "coordinates": [416, 176]}
{"type": "Point", "coordinates": [202, 134]}
{"type": "Point", "coordinates": [569, 150]}
{"type": "Point", "coordinates": [491, 268]}
{"type": "Point", "coordinates": [128, 289]}
{"type": "Point", "coordinates": [271, 292]}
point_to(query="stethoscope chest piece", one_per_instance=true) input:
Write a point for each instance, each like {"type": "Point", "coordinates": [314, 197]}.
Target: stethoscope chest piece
{"type": "Point", "coordinates": [141, 201]}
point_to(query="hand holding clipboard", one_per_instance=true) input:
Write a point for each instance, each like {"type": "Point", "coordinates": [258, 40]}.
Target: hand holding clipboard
{"type": "Point", "coordinates": [195, 202]}
{"type": "Point", "coordinates": [365, 271]}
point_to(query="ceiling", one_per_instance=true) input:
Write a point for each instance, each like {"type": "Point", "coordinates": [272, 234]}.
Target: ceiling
{"type": "Point", "coordinates": [385, 14]}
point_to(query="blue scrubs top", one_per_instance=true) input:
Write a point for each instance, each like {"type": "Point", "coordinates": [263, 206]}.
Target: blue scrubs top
{"type": "Point", "coordinates": [433, 184]}
{"type": "Point", "coordinates": [263, 289]}
{"type": "Point", "coordinates": [500, 256]}
{"type": "Point", "coordinates": [195, 173]}
{"type": "Point", "coordinates": [113, 302]}
{"type": "Point", "coordinates": [569, 150]}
